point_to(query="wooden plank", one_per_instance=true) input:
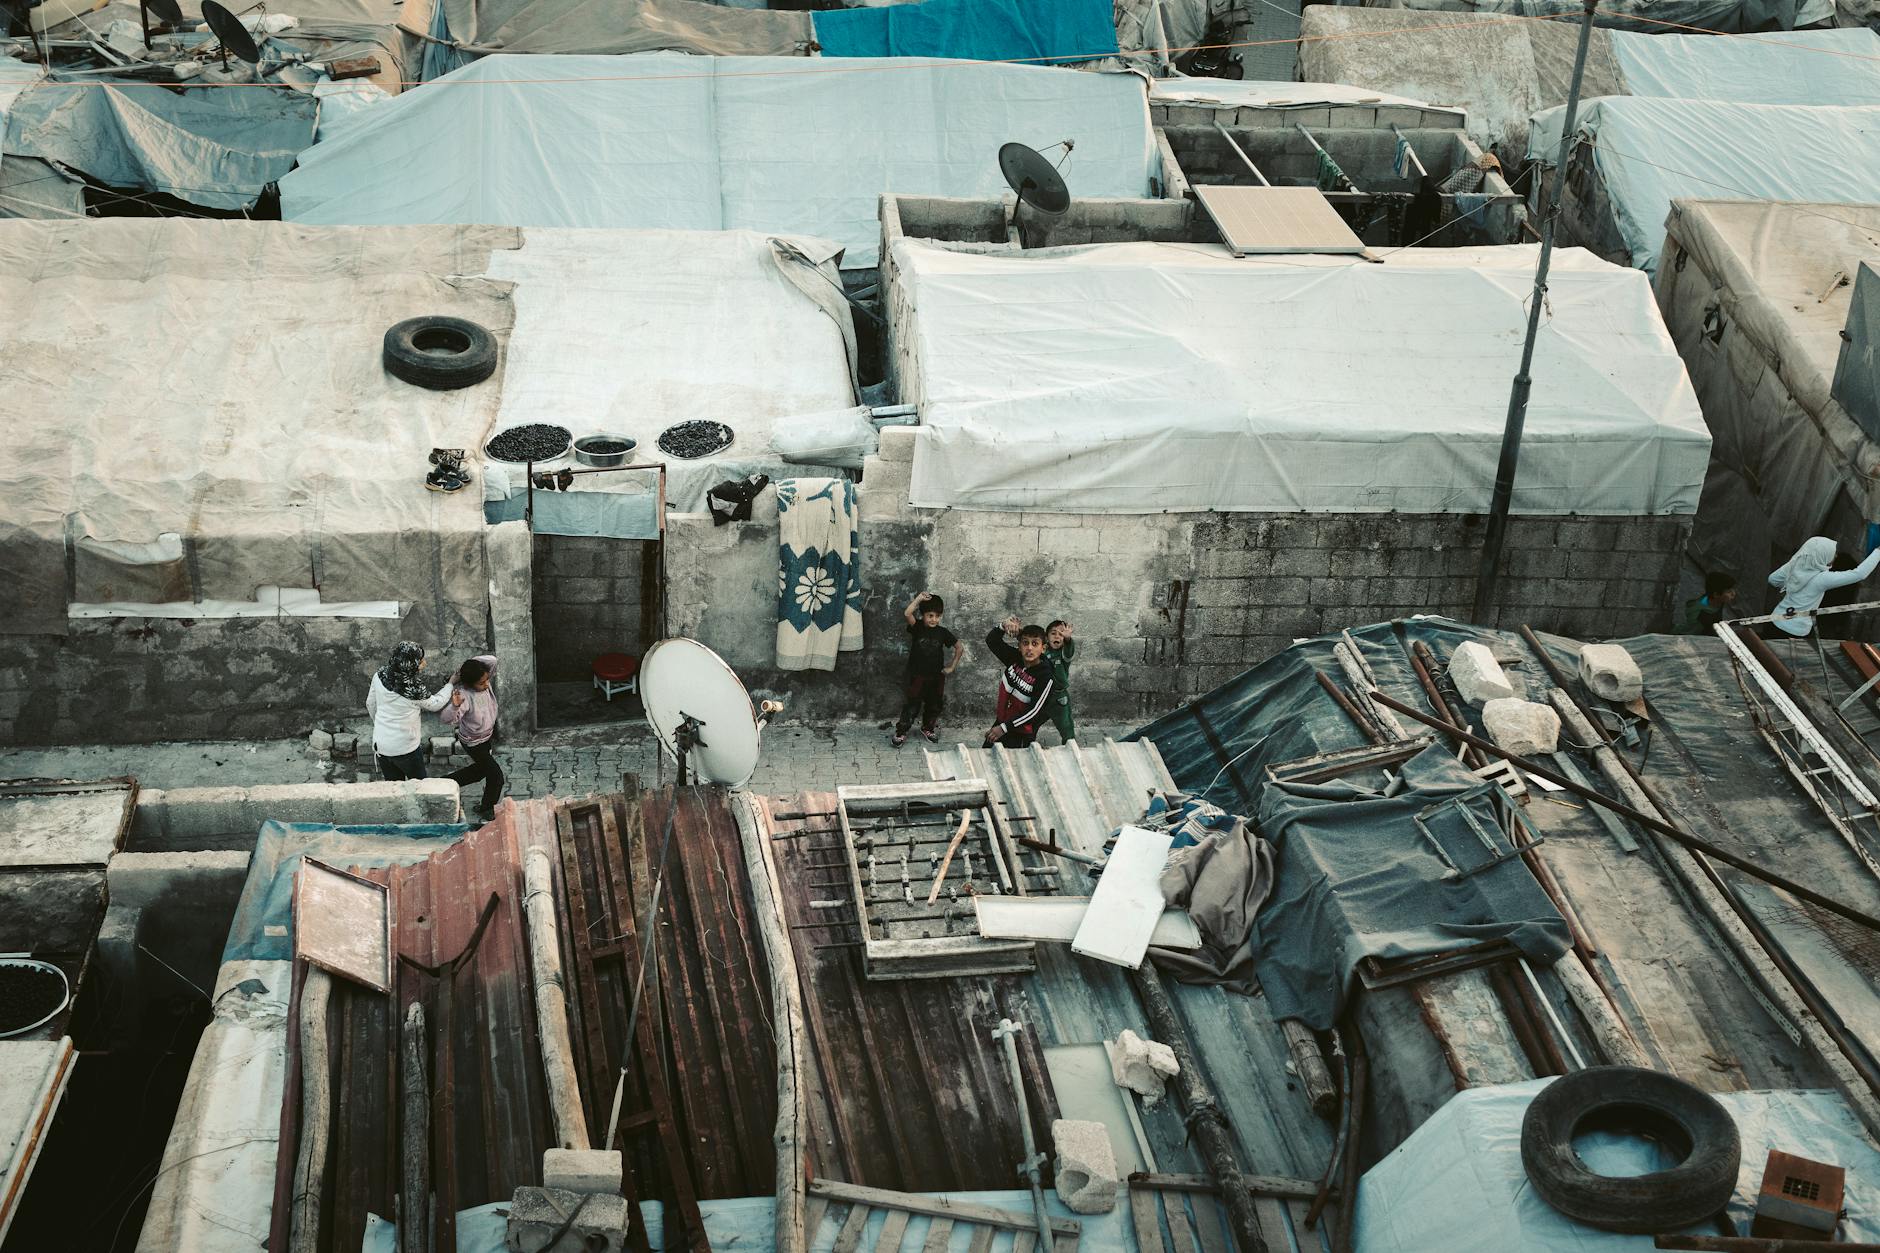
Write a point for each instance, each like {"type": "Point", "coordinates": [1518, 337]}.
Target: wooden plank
{"type": "Point", "coordinates": [812, 1219]}
{"type": "Point", "coordinates": [1314, 1238]}
{"type": "Point", "coordinates": [1064, 1244]}
{"type": "Point", "coordinates": [1128, 901]}
{"type": "Point", "coordinates": [1208, 1228]}
{"type": "Point", "coordinates": [888, 798]}
{"type": "Point", "coordinates": [938, 1207]}
{"type": "Point", "coordinates": [851, 1234]}
{"type": "Point", "coordinates": [1057, 918]}
{"type": "Point", "coordinates": [589, 1040]}
{"type": "Point", "coordinates": [1259, 1185]}
{"type": "Point", "coordinates": [939, 1232]}
{"type": "Point", "coordinates": [893, 1227]}
{"type": "Point", "coordinates": [1024, 1241]}
{"type": "Point", "coordinates": [343, 924]}
{"type": "Point", "coordinates": [1271, 1211]}
{"type": "Point", "coordinates": [981, 1241]}
{"type": "Point", "coordinates": [1144, 1213]}
{"type": "Point", "coordinates": [1181, 1237]}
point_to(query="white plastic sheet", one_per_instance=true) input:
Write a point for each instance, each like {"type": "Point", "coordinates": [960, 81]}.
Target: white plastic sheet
{"type": "Point", "coordinates": [760, 143]}
{"type": "Point", "coordinates": [1840, 67]}
{"type": "Point", "coordinates": [1649, 152]}
{"type": "Point", "coordinates": [1457, 1183]}
{"type": "Point", "coordinates": [1259, 95]}
{"type": "Point", "coordinates": [1143, 378]}
{"type": "Point", "coordinates": [627, 333]}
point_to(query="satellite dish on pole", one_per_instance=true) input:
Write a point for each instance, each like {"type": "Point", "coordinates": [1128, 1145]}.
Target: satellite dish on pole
{"type": "Point", "coordinates": [169, 12]}
{"type": "Point", "coordinates": [1036, 183]}
{"type": "Point", "coordinates": [231, 34]}
{"type": "Point", "coordinates": [700, 712]}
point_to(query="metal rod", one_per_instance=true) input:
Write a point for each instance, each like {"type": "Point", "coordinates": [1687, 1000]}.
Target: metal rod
{"type": "Point", "coordinates": [1490, 569]}
{"type": "Point", "coordinates": [1644, 820]}
{"type": "Point", "coordinates": [1006, 1033]}
{"type": "Point", "coordinates": [1547, 1006]}
{"type": "Point", "coordinates": [1242, 154]}
{"type": "Point", "coordinates": [1409, 151]}
{"type": "Point", "coordinates": [1349, 182]}
{"type": "Point", "coordinates": [1058, 850]}
{"type": "Point", "coordinates": [1823, 612]}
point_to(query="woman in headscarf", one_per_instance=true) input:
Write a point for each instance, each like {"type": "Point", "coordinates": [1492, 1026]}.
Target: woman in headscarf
{"type": "Point", "coordinates": [396, 703]}
{"type": "Point", "coordinates": [1808, 576]}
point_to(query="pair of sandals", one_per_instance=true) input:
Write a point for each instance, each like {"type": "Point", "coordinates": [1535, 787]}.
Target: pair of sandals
{"type": "Point", "coordinates": [449, 474]}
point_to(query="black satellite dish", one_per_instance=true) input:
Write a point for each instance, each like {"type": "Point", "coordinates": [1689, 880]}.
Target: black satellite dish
{"type": "Point", "coordinates": [230, 33]}
{"type": "Point", "coordinates": [1036, 183]}
{"type": "Point", "coordinates": [167, 11]}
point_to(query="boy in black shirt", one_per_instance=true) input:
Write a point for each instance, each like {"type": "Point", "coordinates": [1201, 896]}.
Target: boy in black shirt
{"type": "Point", "coordinates": [927, 666]}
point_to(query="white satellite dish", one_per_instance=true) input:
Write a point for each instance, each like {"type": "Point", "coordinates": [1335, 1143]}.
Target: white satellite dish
{"type": "Point", "coordinates": [700, 711]}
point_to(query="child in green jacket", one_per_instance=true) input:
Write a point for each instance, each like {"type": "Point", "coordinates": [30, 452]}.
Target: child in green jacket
{"type": "Point", "coordinates": [1058, 651]}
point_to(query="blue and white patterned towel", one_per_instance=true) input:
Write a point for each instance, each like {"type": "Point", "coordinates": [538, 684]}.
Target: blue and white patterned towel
{"type": "Point", "coordinates": [819, 579]}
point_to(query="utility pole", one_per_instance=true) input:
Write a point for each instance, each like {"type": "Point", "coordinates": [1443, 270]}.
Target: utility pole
{"type": "Point", "coordinates": [1489, 571]}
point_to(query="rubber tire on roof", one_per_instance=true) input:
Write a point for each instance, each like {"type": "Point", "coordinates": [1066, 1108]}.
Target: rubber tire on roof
{"type": "Point", "coordinates": [1644, 1102]}
{"type": "Point", "coordinates": [440, 353]}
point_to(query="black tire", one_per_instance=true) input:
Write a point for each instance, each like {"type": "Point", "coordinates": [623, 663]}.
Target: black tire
{"type": "Point", "coordinates": [440, 353]}
{"type": "Point", "coordinates": [1682, 1117]}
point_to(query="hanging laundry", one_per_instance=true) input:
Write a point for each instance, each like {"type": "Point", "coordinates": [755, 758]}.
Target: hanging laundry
{"type": "Point", "coordinates": [819, 584]}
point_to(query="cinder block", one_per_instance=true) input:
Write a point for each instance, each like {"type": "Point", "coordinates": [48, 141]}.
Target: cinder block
{"type": "Point", "coordinates": [536, 1214]}
{"type": "Point", "coordinates": [137, 880]}
{"type": "Point", "coordinates": [207, 811]}
{"type": "Point", "coordinates": [1521, 726]}
{"type": "Point", "coordinates": [319, 742]}
{"type": "Point", "coordinates": [1610, 671]}
{"type": "Point", "coordinates": [1068, 541]}
{"type": "Point", "coordinates": [582, 1170]}
{"type": "Point", "coordinates": [897, 444]}
{"type": "Point", "coordinates": [1086, 1166]}
{"type": "Point", "coordinates": [441, 745]}
{"type": "Point", "coordinates": [1477, 675]}
{"type": "Point", "coordinates": [1354, 117]}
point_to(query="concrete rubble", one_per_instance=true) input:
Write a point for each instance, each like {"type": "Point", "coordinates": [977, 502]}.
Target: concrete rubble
{"type": "Point", "coordinates": [1521, 726]}
{"type": "Point", "coordinates": [1086, 1166]}
{"type": "Point", "coordinates": [1142, 1066]}
{"type": "Point", "coordinates": [553, 1220]}
{"type": "Point", "coordinates": [1610, 671]}
{"type": "Point", "coordinates": [1477, 675]}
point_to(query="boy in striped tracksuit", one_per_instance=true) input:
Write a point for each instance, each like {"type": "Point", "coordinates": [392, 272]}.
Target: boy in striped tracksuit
{"type": "Point", "coordinates": [1025, 687]}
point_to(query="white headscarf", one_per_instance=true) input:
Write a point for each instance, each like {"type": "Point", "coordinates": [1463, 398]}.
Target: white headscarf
{"type": "Point", "coordinates": [1810, 559]}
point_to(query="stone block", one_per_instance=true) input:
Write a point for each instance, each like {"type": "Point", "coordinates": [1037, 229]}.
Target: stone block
{"type": "Point", "coordinates": [1354, 117]}
{"type": "Point", "coordinates": [441, 745]}
{"type": "Point", "coordinates": [319, 743]}
{"type": "Point", "coordinates": [1610, 671]}
{"type": "Point", "coordinates": [1142, 1066]}
{"type": "Point", "coordinates": [206, 811]}
{"type": "Point", "coordinates": [1521, 726]}
{"type": "Point", "coordinates": [536, 1214]}
{"type": "Point", "coordinates": [1477, 675]}
{"type": "Point", "coordinates": [345, 747]}
{"type": "Point", "coordinates": [1086, 1166]}
{"type": "Point", "coordinates": [897, 444]}
{"type": "Point", "coordinates": [139, 880]}
{"type": "Point", "coordinates": [582, 1170]}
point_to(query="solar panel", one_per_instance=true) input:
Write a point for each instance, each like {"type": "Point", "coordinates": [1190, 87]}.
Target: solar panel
{"type": "Point", "coordinates": [1255, 220]}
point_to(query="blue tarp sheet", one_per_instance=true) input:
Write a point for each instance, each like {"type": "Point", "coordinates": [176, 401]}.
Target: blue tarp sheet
{"type": "Point", "coordinates": [1054, 32]}
{"type": "Point", "coordinates": [263, 928]}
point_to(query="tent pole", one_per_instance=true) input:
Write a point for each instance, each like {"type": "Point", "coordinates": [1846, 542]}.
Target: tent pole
{"type": "Point", "coordinates": [1489, 571]}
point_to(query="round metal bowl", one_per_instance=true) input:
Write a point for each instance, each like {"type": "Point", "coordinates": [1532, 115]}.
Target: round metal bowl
{"type": "Point", "coordinates": [544, 462]}
{"type": "Point", "coordinates": [585, 453]}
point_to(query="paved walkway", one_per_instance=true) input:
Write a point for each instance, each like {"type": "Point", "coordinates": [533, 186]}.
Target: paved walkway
{"type": "Point", "coordinates": [796, 758]}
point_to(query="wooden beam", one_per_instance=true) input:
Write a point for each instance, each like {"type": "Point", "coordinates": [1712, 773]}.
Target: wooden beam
{"type": "Point", "coordinates": [937, 1207]}
{"type": "Point", "coordinates": [1260, 1185]}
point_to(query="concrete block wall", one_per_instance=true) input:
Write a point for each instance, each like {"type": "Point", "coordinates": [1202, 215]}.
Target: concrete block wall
{"type": "Point", "coordinates": [218, 818]}
{"type": "Point", "coordinates": [1166, 606]}
{"type": "Point", "coordinates": [1354, 116]}
{"type": "Point", "coordinates": [142, 680]}
{"type": "Point", "coordinates": [587, 598]}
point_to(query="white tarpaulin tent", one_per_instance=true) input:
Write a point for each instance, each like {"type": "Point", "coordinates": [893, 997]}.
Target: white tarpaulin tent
{"type": "Point", "coordinates": [773, 144]}
{"type": "Point", "coordinates": [1142, 378]}
{"type": "Point", "coordinates": [1457, 1183]}
{"type": "Point", "coordinates": [1649, 152]}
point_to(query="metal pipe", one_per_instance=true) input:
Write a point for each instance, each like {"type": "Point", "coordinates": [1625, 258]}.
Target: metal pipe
{"type": "Point", "coordinates": [1409, 151]}
{"type": "Point", "coordinates": [1344, 702]}
{"type": "Point", "coordinates": [1489, 570]}
{"type": "Point", "coordinates": [1006, 1033]}
{"type": "Point", "coordinates": [1547, 1007]}
{"type": "Point", "coordinates": [1242, 154]}
{"type": "Point", "coordinates": [1825, 611]}
{"type": "Point", "coordinates": [1644, 820]}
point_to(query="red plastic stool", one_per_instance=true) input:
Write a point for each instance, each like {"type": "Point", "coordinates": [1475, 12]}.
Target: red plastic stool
{"type": "Point", "coordinates": [615, 672]}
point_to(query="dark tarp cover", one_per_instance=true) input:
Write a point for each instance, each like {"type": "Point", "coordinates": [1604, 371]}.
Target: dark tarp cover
{"type": "Point", "coordinates": [1220, 746]}
{"type": "Point", "coordinates": [1054, 32]}
{"type": "Point", "coordinates": [1418, 868]}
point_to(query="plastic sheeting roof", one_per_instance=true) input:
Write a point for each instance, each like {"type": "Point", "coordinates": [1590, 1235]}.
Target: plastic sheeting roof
{"type": "Point", "coordinates": [217, 149]}
{"type": "Point", "coordinates": [1649, 152]}
{"type": "Point", "coordinates": [1457, 1183]}
{"type": "Point", "coordinates": [1840, 67]}
{"type": "Point", "coordinates": [663, 140]}
{"type": "Point", "coordinates": [1130, 378]}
